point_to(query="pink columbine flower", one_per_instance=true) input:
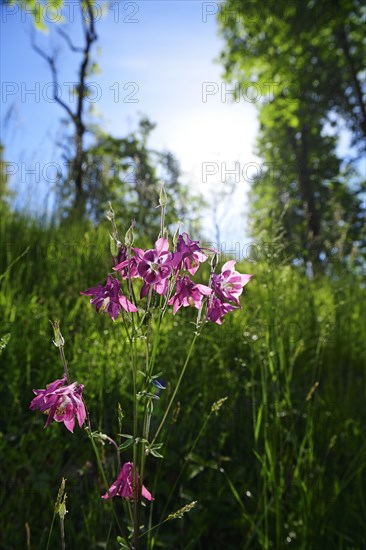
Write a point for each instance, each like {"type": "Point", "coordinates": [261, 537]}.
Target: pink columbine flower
{"type": "Point", "coordinates": [61, 403]}
{"type": "Point", "coordinates": [192, 254]}
{"type": "Point", "coordinates": [155, 266]}
{"type": "Point", "coordinates": [217, 309]}
{"type": "Point", "coordinates": [229, 284]}
{"type": "Point", "coordinates": [188, 294]}
{"type": "Point", "coordinates": [109, 299]}
{"type": "Point", "coordinates": [123, 486]}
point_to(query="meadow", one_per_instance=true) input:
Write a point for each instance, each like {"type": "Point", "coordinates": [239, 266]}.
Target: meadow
{"type": "Point", "coordinates": [281, 464]}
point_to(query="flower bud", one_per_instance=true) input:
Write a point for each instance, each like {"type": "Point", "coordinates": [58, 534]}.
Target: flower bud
{"type": "Point", "coordinates": [113, 245]}
{"type": "Point", "coordinates": [129, 237]}
{"type": "Point", "coordinates": [110, 213]}
{"type": "Point", "coordinates": [163, 198]}
{"type": "Point", "coordinates": [59, 339]}
{"type": "Point", "coordinates": [214, 261]}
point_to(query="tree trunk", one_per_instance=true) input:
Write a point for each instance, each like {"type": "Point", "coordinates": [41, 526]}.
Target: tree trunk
{"type": "Point", "coordinates": [355, 81]}
{"type": "Point", "coordinates": [79, 202]}
{"type": "Point", "coordinates": [312, 215]}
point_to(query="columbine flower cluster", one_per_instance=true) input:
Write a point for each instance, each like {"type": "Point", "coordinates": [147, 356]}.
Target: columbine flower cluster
{"type": "Point", "coordinates": [168, 274]}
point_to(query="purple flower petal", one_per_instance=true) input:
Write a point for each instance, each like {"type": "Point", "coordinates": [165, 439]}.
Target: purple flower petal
{"type": "Point", "coordinates": [61, 403]}
{"type": "Point", "coordinates": [123, 486]}
{"type": "Point", "coordinates": [108, 298]}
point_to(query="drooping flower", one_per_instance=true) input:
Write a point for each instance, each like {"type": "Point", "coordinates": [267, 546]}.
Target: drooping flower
{"type": "Point", "coordinates": [192, 254]}
{"type": "Point", "coordinates": [188, 294]}
{"type": "Point", "coordinates": [159, 385]}
{"type": "Point", "coordinates": [217, 309]}
{"type": "Point", "coordinates": [127, 267]}
{"type": "Point", "coordinates": [61, 403]}
{"type": "Point", "coordinates": [109, 299]}
{"type": "Point", "coordinates": [228, 285]}
{"type": "Point", "coordinates": [155, 266]}
{"type": "Point", "coordinates": [123, 486]}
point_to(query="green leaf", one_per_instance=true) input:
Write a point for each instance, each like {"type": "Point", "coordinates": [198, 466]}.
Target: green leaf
{"type": "Point", "coordinates": [157, 445]}
{"type": "Point", "coordinates": [194, 471]}
{"type": "Point", "coordinates": [4, 342]}
{"type": "Point", "coordinates": [126, 444]}
{"type": "Point", "coordinates": [155, 453]}
{"type": "Point", "coordinates": [258, 423]}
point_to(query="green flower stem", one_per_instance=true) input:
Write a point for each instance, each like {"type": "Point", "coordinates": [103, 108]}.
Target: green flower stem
{"type": "Point", "coordinates": [151, 362]}
{"type": "Point", "coordinates": [50, 533]}
{"type": "Point", "coordinates": [176, 387]}
{"type": "Point", "coordinates": [64, 362]}
{"type": "Point", "coordinates": [147, 411]}
{"type": "Point", "coordinates": [156, 483]}
{"type": "Point", "coordinates": [101, 469]}
{"type": "Point", "coordinates": [112, 442]}
{"type": "Point", "coordinates": [136, 521]}
{"type": "Point", "coordinates": [145, 430]}
{"type": "Point", "coordinates": [153, 527]}
{"type": "Point", "coordinates": [135, 484]}
{"type": "Point", "coordinates": [193, 446]}
{"type": "Point", "coordinates": [62, 529]}
{"type": "Point", "coordinates": [149, 365]}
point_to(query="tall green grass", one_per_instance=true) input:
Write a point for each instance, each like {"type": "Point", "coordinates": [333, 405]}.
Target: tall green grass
{"type": "Point", "coordinates": [282, 464]}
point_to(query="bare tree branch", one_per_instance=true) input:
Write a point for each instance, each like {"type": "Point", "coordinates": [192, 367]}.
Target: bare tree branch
{"type": "Point", "coordinates": [77, 117]}
{"type": "Point", "coordinates": [67, 39]}
{"type": "Point", "coordinates": [52, 64]}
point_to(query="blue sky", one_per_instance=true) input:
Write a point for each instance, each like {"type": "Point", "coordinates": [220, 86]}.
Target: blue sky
{"type": "Point", "coordinates": [157, 58]}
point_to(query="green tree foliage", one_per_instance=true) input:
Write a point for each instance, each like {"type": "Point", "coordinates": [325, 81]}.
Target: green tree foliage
{"type": "Point", "coordinates": [37, 9]}
{"type": "Point", "coordinates": [128, 173]}
{"type": "Point", "coordinates": [304, 60]}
